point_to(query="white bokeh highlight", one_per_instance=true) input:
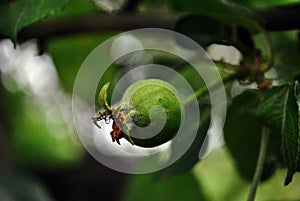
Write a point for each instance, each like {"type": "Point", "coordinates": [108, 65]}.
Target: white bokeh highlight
{"type": "Point", "coordinates": [22, 69]}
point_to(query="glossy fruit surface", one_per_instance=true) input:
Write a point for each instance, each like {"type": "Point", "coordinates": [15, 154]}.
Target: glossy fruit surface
{"type": "Point", "coordinates": [149, 113]}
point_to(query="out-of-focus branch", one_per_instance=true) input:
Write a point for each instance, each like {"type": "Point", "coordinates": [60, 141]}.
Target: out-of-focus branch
{"type": "Point", "coordinates": [129, 6]}
{"type": "Point", "coordinates": [279, 18]}
{"type": "Point", "coordinates": [98, 22]}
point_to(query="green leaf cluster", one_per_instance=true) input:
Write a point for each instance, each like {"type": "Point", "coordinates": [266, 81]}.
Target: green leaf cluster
{"type": "Point", "coordinates": [276, 109]}
{"type": "Point", "coordinates": [279, 110]}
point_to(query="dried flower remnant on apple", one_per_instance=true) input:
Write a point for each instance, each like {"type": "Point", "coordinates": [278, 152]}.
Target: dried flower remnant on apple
{"type": "Point", "coordinates": [134, 109]}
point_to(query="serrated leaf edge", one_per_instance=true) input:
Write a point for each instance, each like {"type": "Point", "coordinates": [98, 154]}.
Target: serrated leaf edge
{"type": "Point", "coordinates": [291, 169]}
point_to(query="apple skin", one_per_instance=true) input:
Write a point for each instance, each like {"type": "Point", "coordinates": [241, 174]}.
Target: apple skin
{"type": "Point", "coordinates": [134, 112]}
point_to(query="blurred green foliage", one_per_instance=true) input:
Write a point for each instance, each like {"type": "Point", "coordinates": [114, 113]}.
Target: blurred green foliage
{"type": "Point", "coordinates": [263, 4]}
{"type": "Point", "coordinates": [147, 187]}
{"type": "Point", "coordinates": [17, 14]}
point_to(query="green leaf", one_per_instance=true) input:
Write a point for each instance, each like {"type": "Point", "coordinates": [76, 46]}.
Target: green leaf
{"type": "Point", "coordinates": [290, 131]}
{"type": "Point", "coordinates": [102, 98]}
{"type": "Point", "coordinates": [20, 13]}
{"type": "Point", "coordinates": [242, 134]}
{"type": "Point", "coordinates": [265, 3]}
{"type": "Point", "coordinates": [286, 54]}
{"type": "Point", "coordinates": [270, 111]}
{"type": "Point", "coordinates": [279, 109]}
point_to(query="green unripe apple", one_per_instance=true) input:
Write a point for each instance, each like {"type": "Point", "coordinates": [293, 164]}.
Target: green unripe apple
{"type": "Point", "coordinates": [149, 98]}
{"type": "Point", "coordinates": [149, 113]}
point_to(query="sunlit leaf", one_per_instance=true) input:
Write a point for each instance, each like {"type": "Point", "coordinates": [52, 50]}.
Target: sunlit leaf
{"type": "Point", "coordinates": [17, 14]}
{"type": "Point", "coordinates": [102, 98]}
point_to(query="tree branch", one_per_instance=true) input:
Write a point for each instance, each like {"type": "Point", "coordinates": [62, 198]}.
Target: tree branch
{"type": "Point", "coordinates": [129, 6]}
{"type": "Point", "coordinates": [279, 18]}
{"type": "Point", "coordinates": [98, 22]}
